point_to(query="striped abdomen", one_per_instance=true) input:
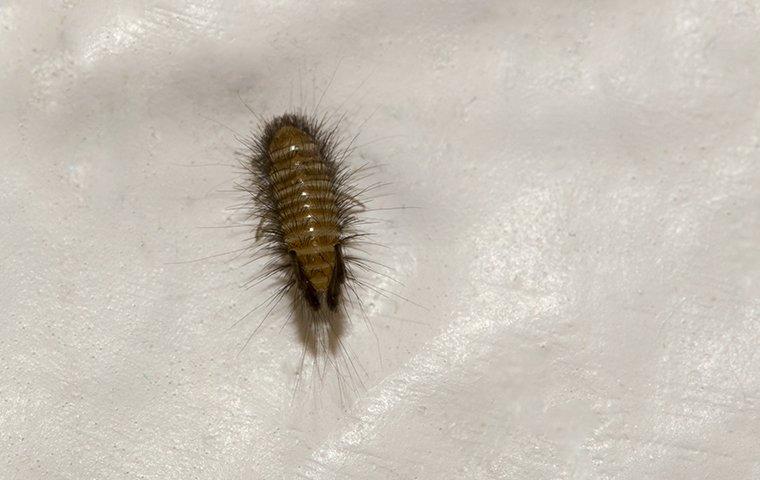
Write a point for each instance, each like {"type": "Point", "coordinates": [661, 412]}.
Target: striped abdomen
{"type": "Point", "coordinates": [308, 214]}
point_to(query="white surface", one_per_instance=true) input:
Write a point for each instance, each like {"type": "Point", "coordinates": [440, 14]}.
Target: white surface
{"type": "Point", "coordinates": [586, 245]}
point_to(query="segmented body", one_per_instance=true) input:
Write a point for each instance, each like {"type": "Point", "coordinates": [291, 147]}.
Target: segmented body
{"type": "Point", "coordinates": [304, 199]}
{"type": "Point", "coordinates": [307, 212]}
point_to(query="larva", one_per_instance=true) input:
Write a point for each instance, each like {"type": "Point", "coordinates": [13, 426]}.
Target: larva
{"type": "Point", "coordinates": [306, 204]}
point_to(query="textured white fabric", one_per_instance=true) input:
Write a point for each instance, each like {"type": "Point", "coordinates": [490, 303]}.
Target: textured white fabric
{"type": "Point", "coordinates": [584, 242]}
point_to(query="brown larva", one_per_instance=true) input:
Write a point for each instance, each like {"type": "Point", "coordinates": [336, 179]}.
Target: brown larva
{"type": "Point", "coordinates": [305, 200]}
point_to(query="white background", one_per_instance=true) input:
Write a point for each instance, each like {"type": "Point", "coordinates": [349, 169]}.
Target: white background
{"type": "Point", "coordinates": [586, 177]}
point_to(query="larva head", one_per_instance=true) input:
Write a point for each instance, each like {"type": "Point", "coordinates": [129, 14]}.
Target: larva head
{"type": "Point", "coordinates": [288, 141]}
